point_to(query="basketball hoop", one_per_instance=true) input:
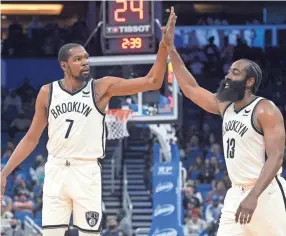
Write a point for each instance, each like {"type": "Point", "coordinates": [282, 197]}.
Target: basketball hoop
{"type": "Point", "coordinates": [116, 121]}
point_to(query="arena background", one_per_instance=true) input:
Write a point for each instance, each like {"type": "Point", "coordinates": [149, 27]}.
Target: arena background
{"type": "Point", "coordinates": [141, 194]}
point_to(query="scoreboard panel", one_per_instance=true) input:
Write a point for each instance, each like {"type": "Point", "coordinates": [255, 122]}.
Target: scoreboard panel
{"type": "Point", "coordinates": [128, 27]}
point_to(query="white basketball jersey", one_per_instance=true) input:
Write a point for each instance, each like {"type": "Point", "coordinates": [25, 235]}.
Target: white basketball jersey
{"type": "Point", "coordinates": [76, 127]}
{"type": "Point", "coordinates": [243, 143]}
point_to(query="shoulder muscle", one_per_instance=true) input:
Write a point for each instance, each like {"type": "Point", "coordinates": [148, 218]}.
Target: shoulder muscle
{"type": "Point", "coordinates": [267, 115]}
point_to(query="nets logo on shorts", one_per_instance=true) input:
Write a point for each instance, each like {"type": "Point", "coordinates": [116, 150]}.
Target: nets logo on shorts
{"type": "Point", "coordinates": [91, 218]}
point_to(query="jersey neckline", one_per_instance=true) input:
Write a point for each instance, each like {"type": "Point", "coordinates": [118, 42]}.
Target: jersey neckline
{"type": "Point", "coordinates": [246, 105]}
{"type": "Point", "coordinates": [72, 93]}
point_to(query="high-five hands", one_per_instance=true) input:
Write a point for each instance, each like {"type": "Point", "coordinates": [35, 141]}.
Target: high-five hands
{"type": "Point", "coordinates": [169, 30]}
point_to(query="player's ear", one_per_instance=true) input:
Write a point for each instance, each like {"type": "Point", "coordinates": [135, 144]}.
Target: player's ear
{"type": "Point", "coordinates": [250, 82]}
{"type": "Point", "coordinates": [63, 65]}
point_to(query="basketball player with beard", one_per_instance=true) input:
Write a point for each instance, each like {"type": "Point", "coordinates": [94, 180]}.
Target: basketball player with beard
{"type": "Point", "coordinates": [253, 140]}
{"type": "Point", "coordinates": [74, 110]}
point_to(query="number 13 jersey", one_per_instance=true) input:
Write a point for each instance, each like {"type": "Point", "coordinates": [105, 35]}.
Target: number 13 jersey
{"type": "Point", "coordinates": [243, 144]}
{"type": "Point", "coordinates": [76, 127]}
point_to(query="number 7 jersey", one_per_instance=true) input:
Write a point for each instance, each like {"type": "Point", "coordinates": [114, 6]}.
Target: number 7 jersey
{"type": "Point", "coordinates": [243, 144]}
{"type": "Point", "coordinates": [76, 127]}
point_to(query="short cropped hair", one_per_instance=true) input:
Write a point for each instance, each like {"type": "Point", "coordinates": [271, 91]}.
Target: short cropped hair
{"type": "Point", "coordinates": [254, 70]}
{"type": "Point", "coordinates": [63, 54]}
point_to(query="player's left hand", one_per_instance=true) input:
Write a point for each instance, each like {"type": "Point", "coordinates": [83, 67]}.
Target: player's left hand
{"type": "Point", "coordinates": [246, 209]}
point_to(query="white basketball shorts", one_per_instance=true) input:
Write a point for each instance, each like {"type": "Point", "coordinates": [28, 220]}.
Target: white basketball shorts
{"type": "Point", "coordinates": [72, 186]}
{"type": "Point", "coordinates": [269, 217]}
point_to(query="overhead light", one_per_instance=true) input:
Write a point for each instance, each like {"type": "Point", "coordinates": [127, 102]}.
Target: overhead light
{"type": "Point", "coordinates": [206, 8]}
{"type": "Point", "coordinates": [31, 9]}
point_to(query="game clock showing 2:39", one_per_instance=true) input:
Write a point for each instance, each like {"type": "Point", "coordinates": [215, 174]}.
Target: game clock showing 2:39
{"type": "Point", "coordinates": [128, 27]}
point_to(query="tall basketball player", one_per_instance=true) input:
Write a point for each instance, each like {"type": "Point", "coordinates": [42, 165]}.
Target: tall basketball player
{"type": "Point", "coordinates": [253, 140]}
{"type": "Point", "coordinates": [73, 108]}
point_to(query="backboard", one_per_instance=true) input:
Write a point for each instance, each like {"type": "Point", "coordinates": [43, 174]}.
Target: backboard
{"type": "Point", "coordinates": [160, 106]}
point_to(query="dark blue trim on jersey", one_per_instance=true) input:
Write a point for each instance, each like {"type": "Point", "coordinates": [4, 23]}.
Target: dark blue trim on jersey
{"type": "Point", "coordinates": [228, 105]}
{"type": "Point", "coordinates": [252, 118]}
{"type": "Point", "coordinates": [244, 106]}
{"type": "Point", "coordinates": [282, 190]}
{"type": "Point", "coordinates": [93, 98]}
{"type": "Point", "coordinates": [266, 157]}
{"type": "Point", "coordinates": [99, 164]}
{"type": "Point", "coordinates": [103, 138]}
{"type": "Point", "coordinates": [75, 92]}
{"type": "Point", "coordinates": [50, 99]}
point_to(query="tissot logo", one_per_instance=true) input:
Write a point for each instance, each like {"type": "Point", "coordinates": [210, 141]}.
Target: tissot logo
{"type": "Point", "coordinates": [128, 29]}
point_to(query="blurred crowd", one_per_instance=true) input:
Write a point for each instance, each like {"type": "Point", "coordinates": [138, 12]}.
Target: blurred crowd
{"type": "Point", "coordinates": [221, 20]}
{"type": "Point", "coordinates": [23, 196]}
{"type": "Point", "coordinates": [40, 40]}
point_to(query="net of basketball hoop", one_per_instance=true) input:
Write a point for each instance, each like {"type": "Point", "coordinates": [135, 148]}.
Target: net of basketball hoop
{"type": "Point", "coordinates": [116, 122]}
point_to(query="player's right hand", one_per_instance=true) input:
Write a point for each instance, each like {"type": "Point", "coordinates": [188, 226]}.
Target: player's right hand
{"type": "Point", "coordinates": [3, 185]}
{"type": "Point", "coordinates": [169, 30]}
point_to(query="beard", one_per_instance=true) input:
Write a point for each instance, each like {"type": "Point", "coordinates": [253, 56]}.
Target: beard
{"type": "Point", "coordinates": [83, 77]}
{"type": "Point", "coordinates": [233, 93]}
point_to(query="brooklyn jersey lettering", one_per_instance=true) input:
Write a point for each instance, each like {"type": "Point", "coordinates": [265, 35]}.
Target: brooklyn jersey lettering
{"type": "Point", "coordinates": [243, 144]}
{"type": "Point", "coordinates": [236, 126]}
{"type": "Point", "coordinates": [63, 108]}
{"type": "Point", "coordinates": [76, 127]}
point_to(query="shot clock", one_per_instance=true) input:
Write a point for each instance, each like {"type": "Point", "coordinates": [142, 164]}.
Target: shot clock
{"type": "Point", "coordinates": [128, 27]}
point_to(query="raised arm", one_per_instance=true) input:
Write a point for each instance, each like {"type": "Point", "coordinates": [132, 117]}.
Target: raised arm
{"type": "Point", "coordinates": [31, 139]}
{"type": "Point", "coordinates": [116, 86]}
{"type": "Point", "coordinates": [191, 89]}
{"type": "Point", "coordinates": [186, 80]}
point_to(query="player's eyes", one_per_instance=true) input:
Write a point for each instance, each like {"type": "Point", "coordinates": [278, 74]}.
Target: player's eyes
{"type": "Point", "coordinates": [233, 72]}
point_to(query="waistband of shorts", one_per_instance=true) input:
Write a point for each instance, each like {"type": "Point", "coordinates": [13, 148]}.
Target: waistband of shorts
{"type": "Point", "coordinates": [251, 184]}
{"type": "Point", "coordinates": [244, 186]}
{"type": "Point", "coordinates": [72, 161]}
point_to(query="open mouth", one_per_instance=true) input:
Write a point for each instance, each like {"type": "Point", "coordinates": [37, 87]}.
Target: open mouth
{"type": "Point", "coordinates": [226, 85]}
{"type": "Point", "coordinates": [85, 71]}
